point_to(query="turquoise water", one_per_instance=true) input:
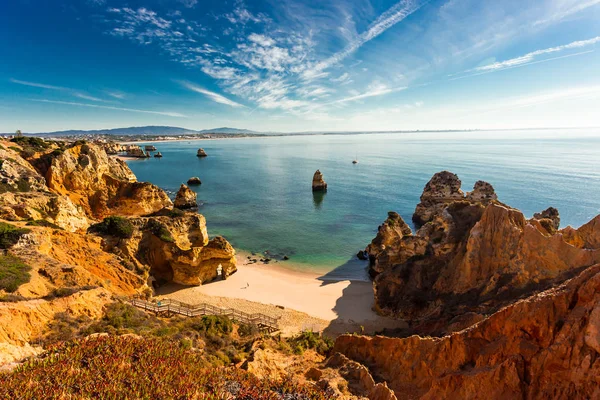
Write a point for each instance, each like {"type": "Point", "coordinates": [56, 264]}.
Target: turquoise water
{"type": "Point", "coordinates": [257, 191]}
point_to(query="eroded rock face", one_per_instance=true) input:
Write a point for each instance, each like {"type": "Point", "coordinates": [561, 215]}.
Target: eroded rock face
{"type": "Point", "coordinates": [442, 189]}
{"type": "Point", "coordinates": [102, 185]}
{"type": "Point", "coordinates": [176, 249]}
{"type": "Point", "coordinates": [186, 198]}
{"type": "Point", "coordinates": [392, 232]}
{"type": "Point", "coordinates": [318, 184]}
{"type": "Point", "coordinates": [544, 347]}
{"type": "Point", "coordinates": [474, 255]}
{"type": "Point", "coordinates": [551, 214]}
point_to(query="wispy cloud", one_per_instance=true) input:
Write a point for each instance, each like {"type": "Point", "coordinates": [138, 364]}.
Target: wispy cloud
{"type": "Point", "coordinates": [70, 103]}
{"type": "Point", "coordinates": [73, 92]}
{"type": "Point", "coordinates": [88, 97]}
{"type": "Point", "coordinates": [116, 95]}
{"type": "Point", "coordinates": [216, 97]}
{"type": "Point", "coordinates": [39, 85]}
{"type": "Point", "coordinates": [374, 90]}
{"type": "Point", "coordinates": [529, 57]}
{"type": "Point", "coordinates": [391, 17]}
{"type": "Point", "coordinates": [572, 8]}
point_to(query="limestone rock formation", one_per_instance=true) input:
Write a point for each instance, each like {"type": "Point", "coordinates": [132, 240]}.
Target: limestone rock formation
{"type": "Point", "coordinates": [442, 189]}
{"type": "Point", "coordinates": [102, 185]}
{"type": "Point", "coordinates": [318, 184]}
{"type": "Point", "coordinates": [550, 214]}
{"type": "Point", "coordinates": [547, 346]}
{"type": "Point", "coordinates": [474, 255]}
{"type": "Point", "coordinates": [194, 180]}
{"type": "Point", "coordinates": [186, 198]}
{"type": "Point", "coordinates": [175, 249]}
{"type": "Point", "coordinates": [201, 153]}
{"type": "Point", "coordinates": [393, 231]}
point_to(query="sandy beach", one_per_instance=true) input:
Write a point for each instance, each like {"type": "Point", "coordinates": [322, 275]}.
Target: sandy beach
{"type": "Point", "coordinates": [301, 300]}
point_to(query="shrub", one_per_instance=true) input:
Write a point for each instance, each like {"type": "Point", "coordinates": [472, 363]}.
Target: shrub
{"type": "Point", "coordinates": [159, 230]}
{"type": "Point", "coordinates": [10, 234]}
{"type": "Point", "coordinates": [11, 298]}
{"type": "Point", "coordinates": [13, 273]}
{"type": "Point", "coordinates": [29, 142]}
{"type": "Point", "coordinates": [114, 226]}
{"type": "Point", "coordinates": [43, 222]}
{"type": "Point", "coordinates": [310, 340]}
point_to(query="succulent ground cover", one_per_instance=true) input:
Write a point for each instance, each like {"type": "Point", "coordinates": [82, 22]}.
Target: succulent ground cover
{"type": "Point", "coordinates": [111, 367]}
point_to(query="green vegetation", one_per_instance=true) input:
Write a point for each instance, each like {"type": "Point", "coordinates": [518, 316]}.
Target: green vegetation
{"type": "Point", "coordinates": [310, 340]}
{"type": "Point", "coordinates": [159, 230]}
{"type": "Point", "coordinates": [30, 145]}
{"type": "Point", "coordinates": [127, 367]}
{"type": "Point", "coordinates": [10, 234]}
{"type": "Point", "coordinates": [43, 222]}
{"type": "Point", "coordinates": [214, 334]}
{"type": "Point", "coordinates": [114, 226]}
{"type": "Point", "coordinates": [13, 273]}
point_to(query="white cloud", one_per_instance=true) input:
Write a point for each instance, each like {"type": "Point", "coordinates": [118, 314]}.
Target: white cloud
{"type": "Point", "coordinates": [39, 85]}
{"type": "Point", "coordinates": [217, 98]}
{"type": "Point", "coordinates": [391, 17]}
{"type": "Point", "coordinates": [529, 57]}
{"type": "Point", "coordinates": [375, 89]}
{"type": "Point", "coordinates": [261, 39]}
{"type": "Point", "coordinates": [87, 97]}
{"type": "Point", "coordinates": [116, 95]}
{"type": "Point", "coordinates": [573, 7]}
{"type": "Point", "coordinates": [188, 3]}
{"type": "Point", "coordinates": [165, 113]}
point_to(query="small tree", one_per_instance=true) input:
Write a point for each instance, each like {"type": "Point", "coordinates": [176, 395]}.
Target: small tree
{"type": "Point", "coordinates": [18, 133]}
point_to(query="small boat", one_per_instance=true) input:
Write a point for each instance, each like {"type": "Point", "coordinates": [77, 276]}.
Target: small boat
{"type": "Point", "coordinates": [355, 161]}
{"type": "Point", "coordinates": [158, 155]}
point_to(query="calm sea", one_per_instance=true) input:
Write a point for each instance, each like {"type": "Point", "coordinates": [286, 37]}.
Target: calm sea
{"type": "Point", "coordinates": [257, 191]}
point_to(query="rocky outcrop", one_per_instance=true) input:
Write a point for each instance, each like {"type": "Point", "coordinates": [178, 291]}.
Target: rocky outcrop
{"type": "Point", "coordinates": [441, 190]}
{"type": "Point", "coordinates": [175, 249]}
{"type": "Point", "coordinates": [551, 214]}
{"type": "Point", "coordinates": [318, 184]}
{"type": "Point", "coordinates": [547, 346]}
{"type": "Point", "coordinates": [185, 198]}
{"type": "Point", "coordinates": [100, 184]}
{"type": "Point", "coordinates": [201, 153]}
{"type": "Point", "coordinates": [473, 256]}
{"type": "Point", "coordinates": [194, 180]}
{"type": "Point", "coordinates": [384, 249]}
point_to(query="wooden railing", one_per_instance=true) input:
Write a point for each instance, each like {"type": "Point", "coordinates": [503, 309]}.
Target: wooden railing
{"type": "Point", "coordinates": [169, 307]}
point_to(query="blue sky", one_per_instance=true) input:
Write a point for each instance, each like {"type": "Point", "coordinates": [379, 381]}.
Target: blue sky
{"type": "Point", "coordinates": [291, 65]}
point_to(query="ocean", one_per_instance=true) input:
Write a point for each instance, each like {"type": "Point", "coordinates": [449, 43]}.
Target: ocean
{"type": "Point", "coordinates": [257, 193]}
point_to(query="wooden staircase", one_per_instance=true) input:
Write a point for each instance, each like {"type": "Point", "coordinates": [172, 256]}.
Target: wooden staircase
{"type": "Point", "coordinates": [168, 307]}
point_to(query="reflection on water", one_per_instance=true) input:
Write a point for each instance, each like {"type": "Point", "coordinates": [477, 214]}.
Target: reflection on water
{"type": "Point", "coordinates": [318, 198]}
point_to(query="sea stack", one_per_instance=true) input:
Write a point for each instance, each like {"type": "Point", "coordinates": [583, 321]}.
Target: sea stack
{"type": "Point", "coordinates": [318, 184]}
{"type": "Point", "coordinates": [186, 198]}
{"type": "Point", "coordinates": [201, 153]}
{"type": "Point", "coordinates": [194, 180]}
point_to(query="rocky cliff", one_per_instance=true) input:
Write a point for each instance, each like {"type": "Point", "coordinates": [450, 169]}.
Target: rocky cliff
{"type": "Point", "coordinates": [544, 347]}
{"type": "Point", "coordinates": [175, 249]}
{"type": "Point", "coordinates": [472, 256]}
{"type": "Point", "coordinates": [102, 185]}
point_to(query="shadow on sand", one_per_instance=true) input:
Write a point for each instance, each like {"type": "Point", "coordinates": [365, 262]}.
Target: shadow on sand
{"type": "Point", "coordinates": [354, 309]}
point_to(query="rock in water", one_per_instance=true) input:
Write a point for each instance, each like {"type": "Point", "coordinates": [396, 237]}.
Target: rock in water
{"type": "Point", "coordinates": [318, 184]}
{"type": "Point", "coordinates": [201, 153]}
{"type": "Point", "coordinates": [194, 180]}
{"type": "Point", "coordinates": [186, 198]}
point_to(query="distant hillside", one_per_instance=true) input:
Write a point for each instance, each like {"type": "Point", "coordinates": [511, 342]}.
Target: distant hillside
{"type": "Point", "coordinates": [150, 130]}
